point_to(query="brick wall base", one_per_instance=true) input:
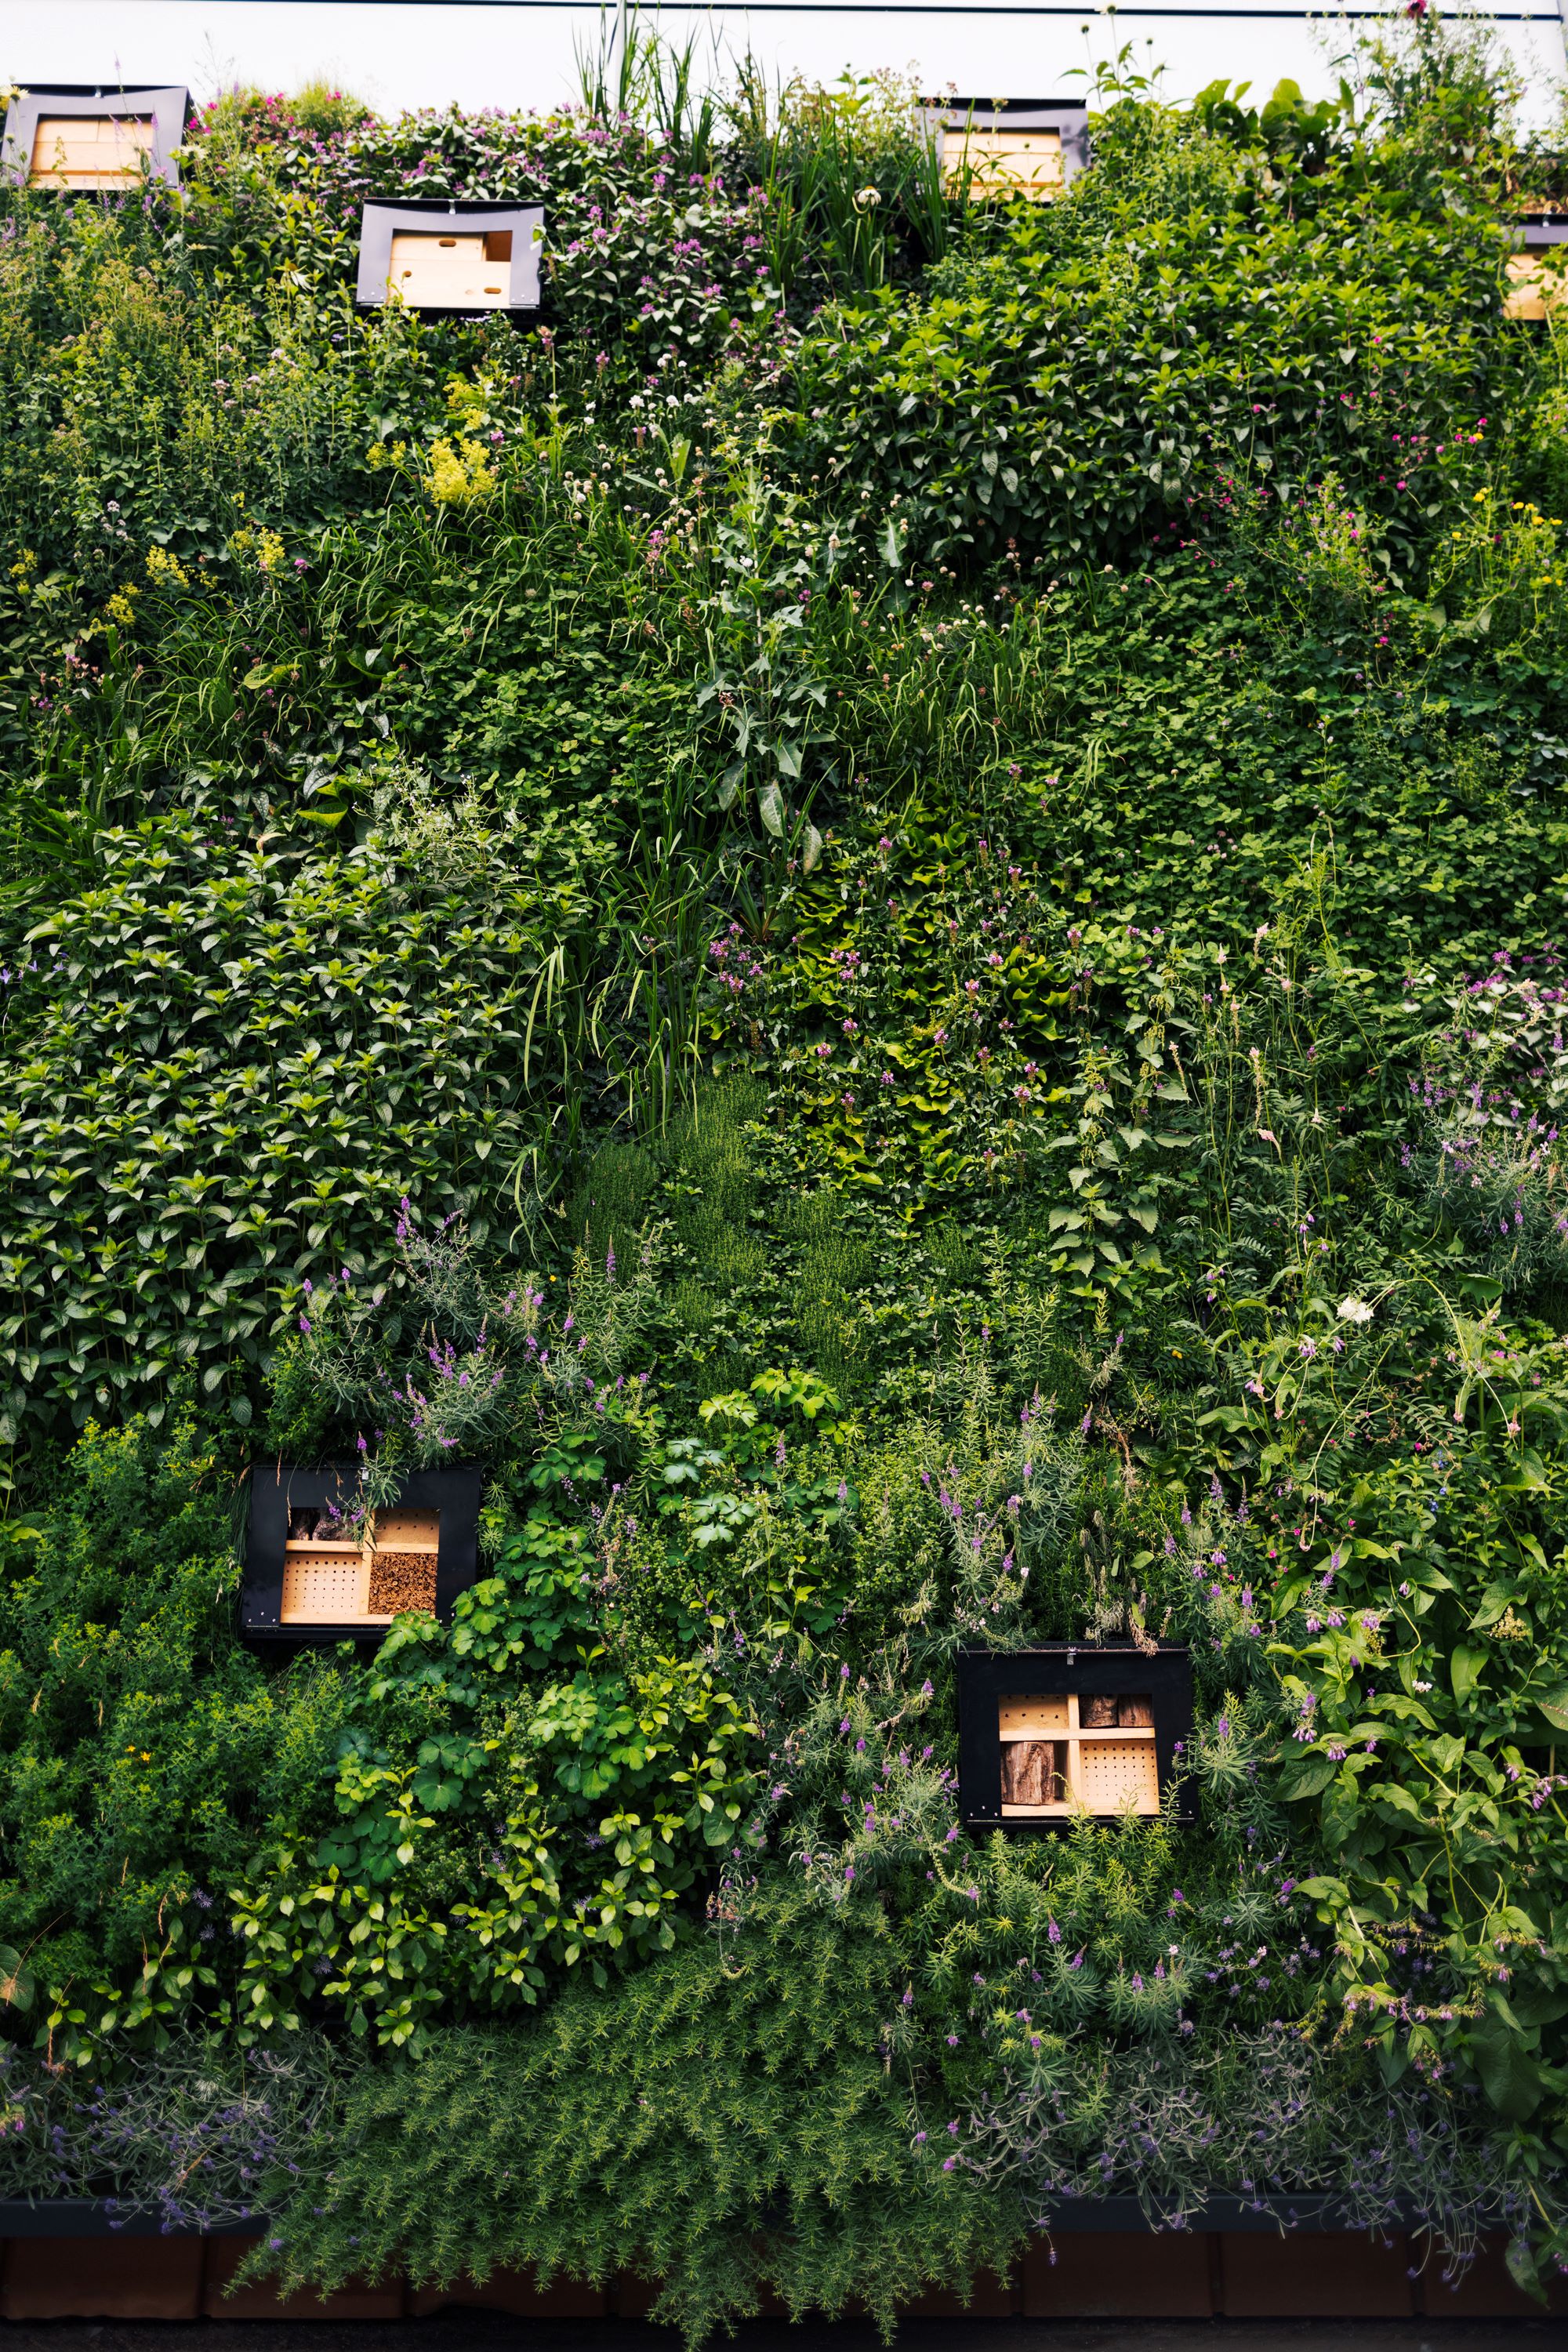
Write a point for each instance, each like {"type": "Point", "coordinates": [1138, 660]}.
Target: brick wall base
{"type": "Point", "coordinates": [1071, 2276]}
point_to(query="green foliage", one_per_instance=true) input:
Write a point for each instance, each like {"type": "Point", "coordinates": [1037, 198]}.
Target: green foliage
{"type": "Point", "coordinates": [876, 911]}
{"type": "Point", "coordinates": [230, 1066]}
{"type": "Point", "coordinates": [723, 2122]}
{"type": "Point", "coordinates": [1082, 384]}
{"type": "Point", "coordinates": [144, 1749]}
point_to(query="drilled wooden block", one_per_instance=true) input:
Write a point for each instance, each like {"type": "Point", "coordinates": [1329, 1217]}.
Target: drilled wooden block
{"type": "Point", "coordinates": [448, 271]}
{"type": "Point", "coordinates": [1111, 1772]}
{"type": "Point", "coordinates": [324, 1583]}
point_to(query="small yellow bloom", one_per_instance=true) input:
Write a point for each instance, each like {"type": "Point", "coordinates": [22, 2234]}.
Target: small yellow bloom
{"type": "Point", "coordinates": [461, 472]}
{"type": "Point", "coordinates": [166, 570]}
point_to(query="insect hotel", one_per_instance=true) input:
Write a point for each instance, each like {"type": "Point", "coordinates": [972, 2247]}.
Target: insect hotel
{"type": "Point", "coordinates": [454, 258]}
{"type": "Point", "coordinates": [1050, 1734]}
{"type": "Point", "coordinates": [66, 135]}
{"type": "Point", "coordinates": [320, 1566]}
{"type": "Point", "coordinates": [1021, 147]}
{"type": "Point", "coordinates": [1537, 273]}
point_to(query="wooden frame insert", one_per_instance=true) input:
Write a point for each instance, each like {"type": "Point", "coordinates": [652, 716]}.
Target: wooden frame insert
{"type": "Point", "coordinates": [456, 258]}
{"type": "Point", "coordinates": [78, 140]}
{"type": "Point", "coordinates": [1054, 1760]}
{"type": "Point", "coordinates": [1049, 1735]}
{"type": "Point", "coordinates": [90, 151]}
{"type": "Point", "coordinates": [1537, 287]}
{"type": "Point", "coordinates": [1022, 147]}
{"type": "Point", "coordinates": [1006, 162]}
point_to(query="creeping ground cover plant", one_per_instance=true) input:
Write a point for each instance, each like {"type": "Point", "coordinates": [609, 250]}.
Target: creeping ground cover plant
{"type": "Point", "coordinates": [879, 910]}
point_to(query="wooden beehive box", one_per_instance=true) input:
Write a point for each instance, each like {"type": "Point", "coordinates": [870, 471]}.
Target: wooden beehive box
{"type": "Point", "coordinates": [318, 1568]}
{"type": "Point", "coordinates": [68, 136]}
{"type": "Point", "coordinates": [450, 258]}
{"type": "Point", "coordinates": [1028, 148]}
{"type": "Point", "coordinates": [1050, 1733]}
{"type": "Point", "coordinates": [1538, 272]}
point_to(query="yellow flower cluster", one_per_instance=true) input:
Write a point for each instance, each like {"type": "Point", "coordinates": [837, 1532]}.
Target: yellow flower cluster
{"type": "Point", "coordinates": [121, 605]}
{"type": "Point", "coordinates": [166, 570]}
{"type": "Point", "coordinates": [470, 403]}
{"type": "Point", "coordinates": [1502, 548]}
{"type": "Point", "coordinates": [22, 572]}
{"type": "Point", "coordinates": [459, 474]}
{"type": "Point", "coordinates": [268, 548]}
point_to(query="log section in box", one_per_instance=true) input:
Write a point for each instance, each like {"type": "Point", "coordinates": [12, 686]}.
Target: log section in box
{"type": "Point", "coordinates": [450, 258]}
{"type": "Point", "coordinates": [1050, 1733]}
{"type": "Point", "coordinates": [1021, 147]}
{"type": "Point", "coordinates": [66, 135]}
{"type": "Point", "coordinates": [319, 1568]}
{"type": "Point", "coordinates": [1538, 272]}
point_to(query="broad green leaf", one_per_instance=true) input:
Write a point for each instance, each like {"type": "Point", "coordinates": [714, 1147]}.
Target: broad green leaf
{"type": "Point", "coordinates": [1464, 1668]}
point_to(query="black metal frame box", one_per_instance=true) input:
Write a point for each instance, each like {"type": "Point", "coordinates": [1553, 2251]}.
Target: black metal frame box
{"type": "Point", "coordinates": [952, 120]}
{"type": "Point", "coordinates": [381, 226]}
{"type": "Point", "coordinates": [168, 111]}
{"type": "Point", "coordinates": [1062, 1675]}
{"type": "Point", "coordinates": [276, 1490]}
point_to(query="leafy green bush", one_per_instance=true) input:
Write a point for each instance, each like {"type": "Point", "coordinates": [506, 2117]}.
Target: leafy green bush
{"type": "Point", "coordinates": [1079, 391]}
{"type": "Point", "coordinates": [144, 1747]}
{"type": "Point", "coordinates": [230, 1065]}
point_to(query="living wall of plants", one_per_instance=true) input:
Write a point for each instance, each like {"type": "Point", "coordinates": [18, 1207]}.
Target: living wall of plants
{"type": "Point", "coordinates": [881, 908]}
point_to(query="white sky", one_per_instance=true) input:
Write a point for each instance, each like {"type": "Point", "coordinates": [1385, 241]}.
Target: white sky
{"type": "Point", "coordinates": [411, 54]}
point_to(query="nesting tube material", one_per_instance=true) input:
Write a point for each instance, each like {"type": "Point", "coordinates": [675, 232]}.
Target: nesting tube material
{"type": "Point", "coordinates": [1097, 1713]}
{"type": "Point", "coordinates": [1031, 1772]}
{"type": "Point", "coordinates": [1135, 1714]}
{"type": "Point", "coordinates": [401, 1579]}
